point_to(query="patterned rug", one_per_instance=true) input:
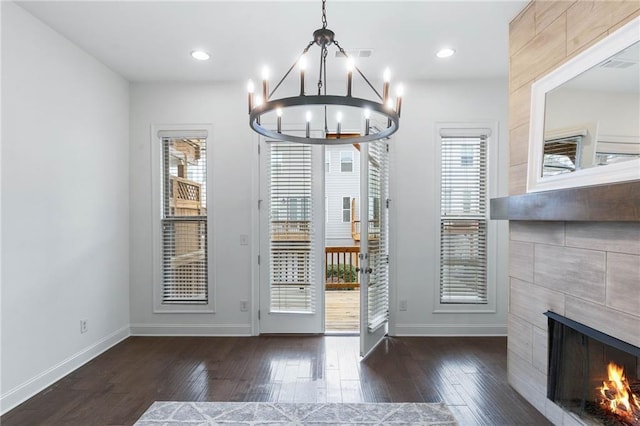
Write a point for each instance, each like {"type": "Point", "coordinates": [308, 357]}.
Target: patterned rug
{"type": "Point", "coordinates": [267, 413]}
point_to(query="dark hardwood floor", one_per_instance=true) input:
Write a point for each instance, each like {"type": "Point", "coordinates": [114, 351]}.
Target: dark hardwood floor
{"type": "Point", "coordinates": [469, 374]}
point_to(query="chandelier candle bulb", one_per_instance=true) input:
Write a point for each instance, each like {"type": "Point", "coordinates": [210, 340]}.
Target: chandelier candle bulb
{"type": "Point", "coordinates": [279, 114]}
{"type": "Point", "coordinates": [350, 66]}
{"type": "Point", "coordinates": [250, 89]}
{"type": "Point", "coordinates": [265, 83]}
{"type": "Point", "coordinates": [339, 127]}
{"type": "Point", "coordinates": [303, 65]}
{"type": "Point", "coordinates": [390, 106]}
{"type": "Point", "coordinates": [399, 93]}
{"type": "Point", "coordinates": [258, 102]}
{"type": "Point", "coordinates": [367, 123]}
{"type": "Point", "coordinates": [385, 87]}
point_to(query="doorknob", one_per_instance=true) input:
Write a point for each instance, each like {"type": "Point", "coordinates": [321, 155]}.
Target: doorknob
{"type": "Point", "coordinates": [368, 270]}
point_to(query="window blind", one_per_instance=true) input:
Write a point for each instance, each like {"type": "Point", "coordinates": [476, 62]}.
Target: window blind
{"type": "Point", "coordinates": [463, 220]}
{"type": "Point", "coordinates": [378, 242]}
{"type": "Point", "coordinates": [291, 228]}
{"type": "Point", "coordinates": [184, 221]}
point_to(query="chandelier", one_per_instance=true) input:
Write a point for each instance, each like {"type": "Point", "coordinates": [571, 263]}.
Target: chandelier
{"type": "Point", "coordinates": [296, 108]}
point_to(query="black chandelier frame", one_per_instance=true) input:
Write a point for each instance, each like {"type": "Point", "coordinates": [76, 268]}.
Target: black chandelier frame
{"type": "Point", "coordinates": [324, 37]}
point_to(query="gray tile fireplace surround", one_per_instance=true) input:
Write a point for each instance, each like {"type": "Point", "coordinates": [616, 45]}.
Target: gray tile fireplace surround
{"type": "Point", "coordinates": [575, 252]}
{"type": "Point", "coordinates": [586, 271]}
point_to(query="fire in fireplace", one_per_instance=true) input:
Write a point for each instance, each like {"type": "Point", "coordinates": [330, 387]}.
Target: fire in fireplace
{"type": "Point", "coordinates": [593, 375]}
{"type": "Point", "coordinates": [617, 397]}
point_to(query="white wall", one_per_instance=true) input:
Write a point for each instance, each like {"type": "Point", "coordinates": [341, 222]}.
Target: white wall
{"type": "Point", "coordinates": [232, 153]}
{"type": "Point", "coordinates": [234, 157]}
{"type": "Point", "coordinates": [65, 206]}
{"type": "Point", "coordinates": [415, 197]}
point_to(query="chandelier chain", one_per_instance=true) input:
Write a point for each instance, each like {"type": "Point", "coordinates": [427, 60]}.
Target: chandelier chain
{"type": "Point", "coordinates": [323, 70]}
{"type": "Point", "coordinates": [324, 14]}
{"type": "Point", "coordinates": [325, 52]}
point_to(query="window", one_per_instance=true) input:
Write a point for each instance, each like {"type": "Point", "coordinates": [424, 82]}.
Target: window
{"type": "Point", "coordinates": [184, 221]}
{"type": "Point", "coordinates": [346, 209]}
{"type": "Point", "coordinates": [561, 155]}
{"type": "Point", "coordinates": [346, 161]}
{"type": "Point", "coordinates": [463, 220]}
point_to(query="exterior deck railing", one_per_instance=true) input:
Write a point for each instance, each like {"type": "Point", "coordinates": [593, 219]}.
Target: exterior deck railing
{"type": "Point", "coordinates": [290, 230]}
{"type": "Point", "coordinates": [341, 264]}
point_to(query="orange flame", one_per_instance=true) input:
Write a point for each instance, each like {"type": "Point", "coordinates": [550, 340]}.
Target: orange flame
{"type": "Point", "coordinates": [617, 395]}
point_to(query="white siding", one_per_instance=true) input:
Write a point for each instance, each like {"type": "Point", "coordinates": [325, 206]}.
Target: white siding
{"type": "Point", "coordinates": [338, 185]}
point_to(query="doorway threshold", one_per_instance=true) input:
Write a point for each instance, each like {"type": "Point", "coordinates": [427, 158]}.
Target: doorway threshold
{"type": "Point", "coordinates": [342, 333]}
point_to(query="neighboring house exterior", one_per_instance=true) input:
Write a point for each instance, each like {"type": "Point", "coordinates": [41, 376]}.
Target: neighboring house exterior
{"type": "Point", "coordinates": [342, 185]}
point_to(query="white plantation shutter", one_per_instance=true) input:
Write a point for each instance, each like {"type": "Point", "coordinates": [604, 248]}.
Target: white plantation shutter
{"type": "Point", "coordinates": [291, 228]}
{"type": "Point", "coordinates": [378, 242]}
{"type": "Point", "coordinates": [463, 220]}
{"type": "Point", "coordinates": [184, 220]}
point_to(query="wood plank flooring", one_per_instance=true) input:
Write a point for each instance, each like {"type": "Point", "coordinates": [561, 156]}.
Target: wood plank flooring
{"type": "Point", "coordinates": [469, 374]}
{"type": "Point", "coordinates": [342, 310]}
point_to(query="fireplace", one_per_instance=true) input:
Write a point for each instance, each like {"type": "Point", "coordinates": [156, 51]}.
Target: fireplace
{"type": "Point", "coordinates": [593, 375]}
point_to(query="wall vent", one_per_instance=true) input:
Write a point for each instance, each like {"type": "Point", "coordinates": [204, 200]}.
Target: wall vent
{"type": "Point", "coordinates": [618, 64]}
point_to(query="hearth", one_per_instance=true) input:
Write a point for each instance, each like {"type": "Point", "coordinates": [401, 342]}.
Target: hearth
{"type": "Point", "coordinates": [593, 375]}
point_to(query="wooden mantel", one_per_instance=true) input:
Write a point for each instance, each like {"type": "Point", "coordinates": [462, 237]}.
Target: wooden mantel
{"type": "Point", "coordinates": [618, 202]}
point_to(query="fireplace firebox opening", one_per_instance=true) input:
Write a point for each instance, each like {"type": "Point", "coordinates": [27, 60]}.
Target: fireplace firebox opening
{"type": "Point", "coordinates": [592, 374]}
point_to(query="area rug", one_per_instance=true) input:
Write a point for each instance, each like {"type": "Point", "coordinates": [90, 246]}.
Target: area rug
{"type": "Point", "coordinates": [267, 413]}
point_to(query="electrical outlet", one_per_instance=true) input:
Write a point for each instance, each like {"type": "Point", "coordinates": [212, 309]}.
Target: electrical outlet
{"type": "Point", "coordinates": [244, 240]}
{"type": "Point", "coordinates": [84, 326]}
{"type": "Point", "coordinates": [403, 305]}
{"type": "Point", "coordinates": [244, 305]}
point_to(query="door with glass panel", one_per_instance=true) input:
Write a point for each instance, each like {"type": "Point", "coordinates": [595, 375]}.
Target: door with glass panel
{"type": "Point", "coordinates": [291, 238]}
{"type": "Point", "coordinates": [374, 244]}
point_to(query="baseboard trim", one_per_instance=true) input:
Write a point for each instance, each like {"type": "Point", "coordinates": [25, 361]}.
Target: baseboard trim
{"type": "Point", "coordinates": [40, 382]}
{"type": "Point", "coordinates": [191, 330]}
{"type": "Point", "coordinates": [453, 330]}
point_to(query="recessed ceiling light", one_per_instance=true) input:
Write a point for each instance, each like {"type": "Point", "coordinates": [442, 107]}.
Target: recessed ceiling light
{"type": "Point", "coordinates": [200, 55]}
{"type": "Point", "coordinates": [445, 52]}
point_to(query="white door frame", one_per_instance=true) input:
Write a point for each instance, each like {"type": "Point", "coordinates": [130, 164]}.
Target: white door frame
{"type": "Point", "coordinates": [286, 322]}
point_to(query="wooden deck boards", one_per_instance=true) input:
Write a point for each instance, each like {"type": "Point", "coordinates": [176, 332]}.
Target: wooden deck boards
{"type": "Point", "coordinates": [342, 310]}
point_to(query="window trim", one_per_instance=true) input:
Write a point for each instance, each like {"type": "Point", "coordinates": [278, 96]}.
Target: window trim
{"type": "Point", "coordinates": [158, 131]}
{"type": "Point", "coordinates": [352, 161]}
{"type": "Point", "coordinates": [342, 210]}
{"type": "Point", "coordinates": [489, 129]}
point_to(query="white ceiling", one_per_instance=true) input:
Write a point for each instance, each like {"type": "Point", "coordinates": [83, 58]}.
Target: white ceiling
{"type": "Point", "coordinates": [152, 40]}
